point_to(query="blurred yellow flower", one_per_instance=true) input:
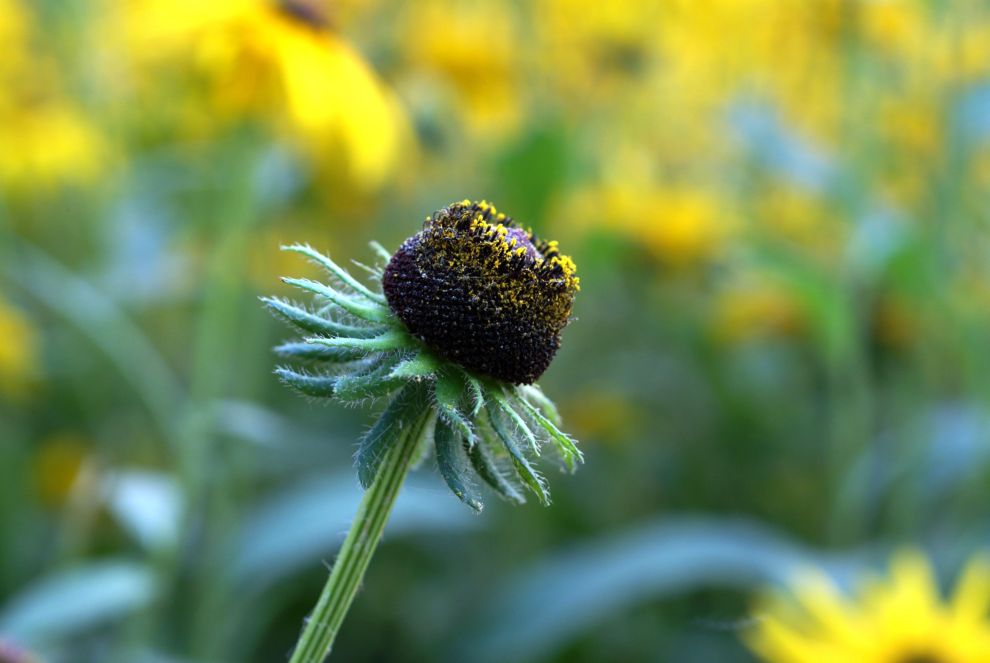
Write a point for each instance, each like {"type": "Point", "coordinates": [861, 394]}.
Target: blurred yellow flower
{"type": "Point", "coordinates": [47, 140]}
{"type": "Point", "coordinates": [275, 60]}
{"type": "Point", "coordinates": [13, 34]}
{"type": "Point", "coordinates": [18, 351]}
{"type": "Point", "coordinates": [57, 466]}
{"type": "Point", "coordinates": [47, 144]}
{"type": "Point", "coordinates": [602, 415]}
{"type": "Point", "coordinates": [802, 217]}
{"type": "Point", "coordinates": [753, 308]}
{"type": "Point", "coordinates": [587, 50]}
{"type": "Point", "coordinates": [895, 27]}
{"type": "Point", "coordinates": [683, 226]}
{"type": "Point", "coordinates": [900, 619]}
{"type": "Point", "coordinates": [895, 322]}
{"type": "Point", "coordinates": [472, 49]}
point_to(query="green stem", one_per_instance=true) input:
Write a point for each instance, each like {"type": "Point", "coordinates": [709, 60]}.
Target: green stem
{"type": "Point", "coordinates": [321, 628]}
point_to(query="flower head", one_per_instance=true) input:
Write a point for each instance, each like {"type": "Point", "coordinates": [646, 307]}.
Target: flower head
{"type": "Point", "coordinates": [902, 619]}
{"type": "Point", "coordinates": [470, 316]}
{"type": "Point", "coordinates": [483, 292]}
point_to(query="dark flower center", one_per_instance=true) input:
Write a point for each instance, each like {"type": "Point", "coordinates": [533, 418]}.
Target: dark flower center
{"type": "Point", "coordinates": [483, 292]}
{"type": "Point", "coordinates": [517, 237]}
{"type": "Point", "coordinates": [306, 12]}
{"type": "Point", "coordinates": [919, 658]}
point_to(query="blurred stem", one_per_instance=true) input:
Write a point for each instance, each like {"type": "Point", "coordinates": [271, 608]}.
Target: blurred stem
{"type": "Point", "coordinates": [321, 628]}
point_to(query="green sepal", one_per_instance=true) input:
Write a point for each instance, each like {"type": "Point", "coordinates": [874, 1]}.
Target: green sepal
{"type": "Point", "coordinates": [376, 382]}
{"type": "Point", "coordinates": [313, 323]}
{"type": "Point", "coordinates": [528, 475]}
{"type": "Point", "coordinates": [380, 251]}
{"type": "Point", "coordinates": [496, 394]}
{"type": "Point", "coordinates": [448, 391]}
{"type": "Point", "coordinates": [421, 365]}
{"type": "Point", "coordinates": [424, 448]}
{"type": "Point", "coordinates": [569, 451]}
{"type": "Point", "coordinates": [369, 312]}
{"type": "Point", "coordinates": [534, 395]}
{"type": "Point", "coordinates": [393, 339]}
{"type": "Point", "coordinates": [312, 352]}
{"type": "Point", "coordinates": [476, 391]}
{"type": "Point", "coordinates": [317, 386]}
{"type": "Point", "coordinates": [404, 412]}
{"type": "Point", "coordinates": [336, 270]}
{"type": "Point", "coordinates": [455, 468]}
{"type": "Point", "coordinates": [487, 467]}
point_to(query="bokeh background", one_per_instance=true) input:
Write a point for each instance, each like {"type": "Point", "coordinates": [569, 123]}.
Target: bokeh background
{"type": "Point", "coordinates": [778, 209]}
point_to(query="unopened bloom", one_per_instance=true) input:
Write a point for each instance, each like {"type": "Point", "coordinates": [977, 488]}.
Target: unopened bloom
{"type": "Point", "coordinates": [470, 317]}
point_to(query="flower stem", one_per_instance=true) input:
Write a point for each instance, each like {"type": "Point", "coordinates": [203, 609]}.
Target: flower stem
{"type": "Point", "coordinates": [321, 628]}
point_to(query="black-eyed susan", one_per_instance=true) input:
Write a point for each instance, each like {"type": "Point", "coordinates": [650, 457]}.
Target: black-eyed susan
{"type": "Point", "coordinates": [899, 619]}
{"type": "Point", "coordinates": [468, 317]}
{"type": "Point", "coordinates": [279, 60]}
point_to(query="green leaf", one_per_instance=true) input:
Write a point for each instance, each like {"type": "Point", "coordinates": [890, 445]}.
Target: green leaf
{"type": "Point", "coordinates": [313, 323]}
{"type": "Point", "coordinates": [529, 476]}
{"type": "Point", "coordinates": [454, 465]}
{"type": "Point", "coordinates": [392, 339]}
{"type": "Point", "coordinates": [487, 467]}
{"type": "Point", "coordinates": [336, 270]}
{"type": "Point", "coordinates": [568, 448]}
{"type": "Point", "coordinates": [70, 603]}
{"type": "Point", "coordinates": [448, 391]}
{"type": "Point", "coordinates": [404, 411]}
{"type": "Point", "coordinates": [369, 312]}
{"type": "Point", "coordinates": [312, 352]}
{"type": "Point", "coordinates": [599, 581]}
{"type": "Point", "coordinates": [317, 386]}
{"type": "Point", "coordinates": [421, 365]}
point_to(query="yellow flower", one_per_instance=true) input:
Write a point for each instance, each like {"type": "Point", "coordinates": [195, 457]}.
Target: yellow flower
{"type": "Point", "coordinates": [18, 351]}
{"type": "Point", "coordinates": [804, 218]}
{"type": "Point", "coordinates": [47, 140]}
{"type": "Point", "coordinates": [683, 226]}
{"type": "Point", "coordinates": [895, 321]}
{"type": "Point", "coordinates": [601, 414]}
{"type": "Point", "coordinates": [275, 60]}
{"type": "Point", "coordinates": [471, 50]}
{"type": "Point", "coordinates": [46, 144]}
{"type": "Point", "coordinates": [13, 34]}
{"type": "Point", "coordinates": [899, 619]}
{"type": "Point", "coordinates": [896, 27]}
{"type": "Point", "coordinates": [589, 49]}
{"type": "Point", "coordinates": [753, 308]}
{"type": "Point", "coordinates": [58, 465]}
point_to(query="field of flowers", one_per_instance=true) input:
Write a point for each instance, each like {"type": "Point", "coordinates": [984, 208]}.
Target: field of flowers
{"type": "Point", "coordinates": [777, 367]}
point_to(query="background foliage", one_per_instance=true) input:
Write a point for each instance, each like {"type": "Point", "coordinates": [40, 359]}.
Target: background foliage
{"type": "Point", "coordinates": [778, 211]}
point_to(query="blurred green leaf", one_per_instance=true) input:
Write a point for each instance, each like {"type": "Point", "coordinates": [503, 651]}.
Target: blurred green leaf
{"type": "Point", "coordinates": [566, 594]}
{"type": "Point", "coordinates": [69, 603]}
{"type": "Point", "coordinates": [305, 522]}
{"type": "Point", "coordinates": [147, 504]}
{"type": "Point", "coordinates": [104, 323]}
